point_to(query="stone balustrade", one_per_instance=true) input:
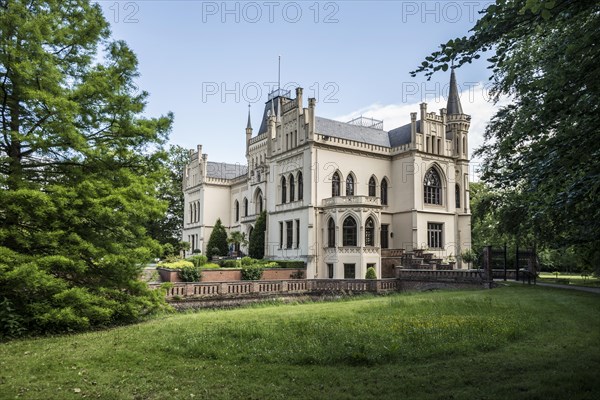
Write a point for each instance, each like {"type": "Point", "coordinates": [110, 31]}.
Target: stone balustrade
{"type": "Point", "coordinates": [338, 201]}
{"type": "Point", "coordinates": [304, 286]}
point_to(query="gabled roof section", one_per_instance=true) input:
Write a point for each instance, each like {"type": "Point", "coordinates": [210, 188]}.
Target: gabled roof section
{"type": "Point", "coordinates": [221, 170]}
{"type": "Point", "coordinates": [401, 135]}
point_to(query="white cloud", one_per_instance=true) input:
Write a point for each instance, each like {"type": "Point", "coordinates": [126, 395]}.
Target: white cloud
{"type": "Point", "coordinates": [474, 100]}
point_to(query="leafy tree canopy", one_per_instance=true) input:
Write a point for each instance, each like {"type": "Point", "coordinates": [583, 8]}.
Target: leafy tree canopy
{"type": "Point", "coordinates": [541, 152]}
{"type": "Point", "coordinates": [79, 168]}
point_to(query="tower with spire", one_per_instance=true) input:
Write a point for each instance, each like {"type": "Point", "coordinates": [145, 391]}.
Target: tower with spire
{"type": "Point", "coordinates": [457, 122]}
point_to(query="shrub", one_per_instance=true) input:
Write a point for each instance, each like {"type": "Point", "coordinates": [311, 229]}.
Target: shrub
{"type": "Point", "coordinates": [271, 264]}
{"type": "Point", "coordinates": [168, 249]}
{"type": "Point", "coordinates": [198, 260]}
{"type": "Point", "coordinates": [371, 274]}
{"type": "Point", "coordinates": [211, 266]}
{"type": "Point", "coordinates": [190, 274]}
{"type": "Point", "coordinates": [197, 251]}
{"type": "Point", "coordinates": [252, 272]}
{"type": "Point", "coordinates": [231, 264]}
{"type": "Point", "coordinates": [176, 264]}
{"type": "Point", "coordinates": [247, 260]}
{"type": "Point", "coordinates": [290, 263]}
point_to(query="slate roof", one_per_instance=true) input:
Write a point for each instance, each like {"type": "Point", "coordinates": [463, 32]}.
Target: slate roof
{"type": "Point", "coordinates": [222, 170]}
{"type": "Point", "coordinates": [401, 135]}
{"type": "Point", "coordinates": [357, 133]}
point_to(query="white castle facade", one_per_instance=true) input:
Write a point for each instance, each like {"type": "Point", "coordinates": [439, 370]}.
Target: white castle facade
{"type": "Point", "coordinates": [337, 195]}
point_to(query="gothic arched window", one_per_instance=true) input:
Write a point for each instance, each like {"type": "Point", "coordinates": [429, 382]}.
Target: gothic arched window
{"type": "Point", "coordinates": [350, 185]}
{"type": "Point", "coordinates": [331, 233]}
{"type": "Point", "coordinates": [349, 232]}
{"type": "Point", "coordinates": [372, 187]}
{"type": "Point", "coordinates": [283, 190]}
{"type": "Point", "coordinates": [335, 185]}
{"type": "Point", "coordinates": [432, 187]}
{"type": "Point", "coordinates": [300, 186]}
{"type": "Point", "coordinates": [369, 232]}
{"type": "Point", "coordinates": [292, 188]}
{"type": "Point", "coordinates": [384, 192]}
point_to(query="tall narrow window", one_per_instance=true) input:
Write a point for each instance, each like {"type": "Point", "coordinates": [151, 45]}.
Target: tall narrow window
{"type": "Point", "coordinates": [331, 233]}
{"type": "Point", "coordinates": [283, 190]}
{"type": "Point", "coordinates": [432, 187]}
{"type": "Point", "coordinates": [335, 185]}
{"type": "Point", "coordinates": [237, 211]}
{"type": "Point", "coordinates": [384, 192]}
{"type": "Point", "coordinates": [350, 185]}
{"type": "Point", "coordinates": [435, 235]}
{"type": "Point", "coordinates": [292, 188]}
{"type": "Point", "coordinates": [259, 199]}
{"type": "Point", "coordinates": [349, 232]}
{"type": "Point", "coordinates": [330, 271]}
{"type": "Point", "coordinates": [245, 207]}
{"type": "Point", "coordinates": [289, 227]}
{"type": "Point", "coordinates": [349, 271]}
{"type": "Point", "coordinates": [372, 187]}
{"type": "Point", "coordinates": [297, 233]}
{"type": "Point", "coordinates": [385, 236]}
{"type": "Point", "coordinates": [457, 196]}
{"type": "Point", "coordinates": [369, 232]}
{"type": "Point", "coordinates": [300, 186]}
{"type": "Point", "coordinates": [281, 235]}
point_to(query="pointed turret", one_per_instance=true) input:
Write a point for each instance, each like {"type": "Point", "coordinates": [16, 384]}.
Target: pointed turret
{"type": "Point", "coordinates": [453, 106]}
{"type": "Point", "coordinates": [248, 132]}
{"type": "Point", "coordinates": [249, 124]}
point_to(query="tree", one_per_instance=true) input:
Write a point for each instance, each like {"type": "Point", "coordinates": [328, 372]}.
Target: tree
{"type": "Point", "coordinates": [78, 170]}
{"type": "Point", "coordinates": [256, 247]}
{"type": "Point", "coordinates": [168, 226]}
{"type": "Point", "coordinates": [541, 151]}
{"type": "Point", "coordinates": [238, 239]}
{"type": "Point", "coordinates": [217, 243]}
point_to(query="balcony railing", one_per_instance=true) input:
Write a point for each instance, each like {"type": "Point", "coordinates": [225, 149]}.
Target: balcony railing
{"type": "Point", "coordinates": [340, 201]}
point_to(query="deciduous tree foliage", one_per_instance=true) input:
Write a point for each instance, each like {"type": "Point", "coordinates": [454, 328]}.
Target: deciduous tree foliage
{"type": "Point", "coordinates": [78, 170]}
{"type": "Point", "coordinates": [541, 152]}
{"type": "Point", "coordinates": [167, 228]}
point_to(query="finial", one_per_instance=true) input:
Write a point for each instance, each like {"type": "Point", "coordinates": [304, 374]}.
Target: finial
{"type": "Point", "coordinates": [249, 125]}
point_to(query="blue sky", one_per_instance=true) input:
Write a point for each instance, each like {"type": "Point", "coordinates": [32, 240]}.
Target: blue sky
{"type": "Point", "coordinates": [206, 60]}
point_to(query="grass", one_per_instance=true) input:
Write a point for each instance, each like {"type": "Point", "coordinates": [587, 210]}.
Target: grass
{"type": "Point", "coordinates": [569, 279]}
{"type": "Point", "coordinates": [516, 342]}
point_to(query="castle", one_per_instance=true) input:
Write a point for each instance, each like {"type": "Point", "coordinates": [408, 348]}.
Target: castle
{"type": "Point", "coordinates": [340, 196]}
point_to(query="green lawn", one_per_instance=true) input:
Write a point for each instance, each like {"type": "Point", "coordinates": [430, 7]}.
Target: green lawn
{"type": "Point", "coordinates": [569, 279]}
{"type": "Point", "coordinates": [517, 342]}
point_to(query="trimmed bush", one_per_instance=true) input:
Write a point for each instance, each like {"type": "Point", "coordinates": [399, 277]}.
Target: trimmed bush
{"type": "Point", "coordinates": [252, 272]}
{"type": "Point", "coordinates": [211, 266]}
{"type": "Point", "coordinates": [290, 263]}
{"type": "Point", "coordinates": [371, 274]}
{"type": "Point", "coordinates": [256, 246]}
{"type": "Point", "coordinates": [190, 274]}
{"type": "Point", "coordinates": [198, 260]}
{"type": "Point", "coordinates": [247, 260]}
{"type": "Point", "coordinates": [176, 264]}
{"type": "Point", "coordinates": [231, 264]}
